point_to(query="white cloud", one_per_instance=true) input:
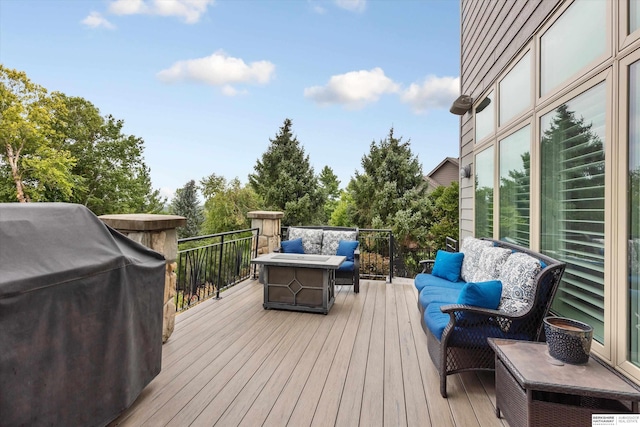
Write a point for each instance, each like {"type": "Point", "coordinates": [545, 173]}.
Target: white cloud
{"type": "Point", "coordinates": [96, 20]}
{"type": "Point", "coordinates": [219, 69]}
{"type": "Point", "coordinates": [352, 5]}
{"type": "Point", "coordinates": [189, 10]}
{"type": "Point", "coordinates": [354, 89]}
{"type": "Point", "coordinates": [433, 93]}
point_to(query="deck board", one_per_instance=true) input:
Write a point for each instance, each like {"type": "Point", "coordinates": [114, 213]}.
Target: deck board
{"type": "Point", "coordinates": [230, 362]}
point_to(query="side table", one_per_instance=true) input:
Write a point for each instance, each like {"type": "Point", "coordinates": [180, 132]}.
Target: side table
{"type": "Point", "coordinates": [531, 391]}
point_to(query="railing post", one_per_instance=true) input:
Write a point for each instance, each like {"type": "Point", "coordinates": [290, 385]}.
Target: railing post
{"type": "Point", "coordinates": [220, 267]}
{"type": "Point", "coordinates": [391, 260]}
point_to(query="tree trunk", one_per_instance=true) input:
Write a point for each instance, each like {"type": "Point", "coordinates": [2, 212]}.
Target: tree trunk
{"type": "Point", "coordinates": [15, 173]}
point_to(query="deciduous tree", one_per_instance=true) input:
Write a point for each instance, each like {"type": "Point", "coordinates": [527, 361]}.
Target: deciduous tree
{"type": "Point", "coordinates": [227, 204]}
{"type": "Point", "coordinates": [29, 157]}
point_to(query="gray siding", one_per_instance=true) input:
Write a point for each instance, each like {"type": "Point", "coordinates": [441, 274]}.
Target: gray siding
{"type": "Point", "coordinates": [492, 33]}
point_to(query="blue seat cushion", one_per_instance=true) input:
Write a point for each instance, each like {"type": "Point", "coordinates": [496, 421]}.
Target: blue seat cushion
{"type": "Point", "coordinates": [431, 294]}
{"type": "Point", "coordinates": [436, 320]}
{"type": "Point", "coordinates": [346, 266]}
{"type": "Point", "coordinates": [448, 265]}
{"type": "Point", "coordinates": [292, 246]}
{"type": "Point", "coordinates": [347, 248]}
{"type": "Point", "coordinates": [426, 279]}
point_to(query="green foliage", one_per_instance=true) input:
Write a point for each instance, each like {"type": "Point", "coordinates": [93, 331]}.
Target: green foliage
{"type": "Point", "coordinates": [185, 203]}
{"type": "Point", "coordinates": [330, 189]}
{"type": "Point", "coordinates": [444, 215]}
{"type": "Point", "coordinates": [226, 204]}
{"type": "Point", "coordinates": [341, 215]}
{"type": "Point", "coordinates": [285, 180]}
{"type": "Point", "coordinates": [30, 161]}
{"type": "Point", "coordinates": [59, 148]}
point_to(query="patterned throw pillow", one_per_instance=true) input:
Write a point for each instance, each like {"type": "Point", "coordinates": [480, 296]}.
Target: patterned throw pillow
{"type": "Point", "coordinates": [471, 248]}
{"type": "Point", "coordinates": [331, 239]}
{"type": "Point", "coordinates": [311, 239]}
{"type": "Point", "coordinates": [518, 277]}
{"type": "Point", "coordinates": [490, 262]}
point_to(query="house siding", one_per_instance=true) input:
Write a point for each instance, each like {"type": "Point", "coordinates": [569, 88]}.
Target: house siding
{"type": "Point", "coordinates": [492, 34]}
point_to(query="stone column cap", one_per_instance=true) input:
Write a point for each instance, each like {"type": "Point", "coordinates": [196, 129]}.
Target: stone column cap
{"type": "Point", "coordinates": [265, 215]}
{"type": "Point", "coordinates": [143, 222]}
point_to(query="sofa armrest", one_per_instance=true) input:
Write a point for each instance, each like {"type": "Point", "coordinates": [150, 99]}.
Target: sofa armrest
{"type": "Point", "coordinates": [427, 265]}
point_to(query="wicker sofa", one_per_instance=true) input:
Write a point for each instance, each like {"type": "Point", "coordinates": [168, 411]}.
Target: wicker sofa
{"type": "Point", "coordinates": [324, 240]}
{"type": "Point", "coordinates": [456, 331]}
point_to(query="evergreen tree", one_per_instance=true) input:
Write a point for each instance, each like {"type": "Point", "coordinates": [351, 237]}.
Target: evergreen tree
{"type": "Point", "coordinates": [391, 182]}
{"type": "Point", "coordinates": [286, 181]}
{"type": "Point", "coordinates": [185, 203]}
{"type": "Point", "coordinates": [330, 188]}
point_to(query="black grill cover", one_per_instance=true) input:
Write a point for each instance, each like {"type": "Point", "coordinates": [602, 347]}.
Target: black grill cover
{"type": "Point", "coordinates": [80, 316]}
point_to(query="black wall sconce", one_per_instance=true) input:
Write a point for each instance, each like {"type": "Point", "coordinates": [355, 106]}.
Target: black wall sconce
{"type": "Point", "coordinates": [465, 171]}
{"type": "Point", "coordinates": [461, 105]}
{"type": "Point", "coordinates": [464, 103]}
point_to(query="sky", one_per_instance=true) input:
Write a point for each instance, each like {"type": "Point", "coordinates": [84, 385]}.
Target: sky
{"type": "Point", "coordinates": [208, 83]}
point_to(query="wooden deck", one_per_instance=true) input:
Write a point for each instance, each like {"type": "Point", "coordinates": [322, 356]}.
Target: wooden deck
{"type": "Point", "coordinates": [230, 362]}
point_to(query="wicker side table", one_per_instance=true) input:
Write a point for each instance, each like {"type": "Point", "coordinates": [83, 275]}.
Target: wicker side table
{"type": "Point", "coordinates": [531, 391]}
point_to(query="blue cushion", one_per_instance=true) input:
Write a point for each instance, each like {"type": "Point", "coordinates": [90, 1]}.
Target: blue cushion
{"type": "Point", "coordinates": [448, 265]}
{"type": "Point", "coordinates": [347, 248]}
{"type": "Point", "coordinates": [431, 294]}
{"type": "Point", "coordinates": [426, 279]}
{"type": "Point", "coordinates": [346, 266]}
{"type": "Point", "coordinates": [481, 294]}
{"type": "Point", "coordinates": [435, 319]}
{"type": "Point", "coordinates": [293, 246]}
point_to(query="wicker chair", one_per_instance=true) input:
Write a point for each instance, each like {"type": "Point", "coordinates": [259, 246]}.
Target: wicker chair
{"type": "Point", "coordinates": [463, 345]}
{"type": "Point", "coordinates": [343, 277]}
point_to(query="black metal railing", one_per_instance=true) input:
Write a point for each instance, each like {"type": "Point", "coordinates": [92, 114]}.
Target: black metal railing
{"type": "Point", "coordinates": [377, 251]}
{"type": "Point", "coordinates": [210, 264]}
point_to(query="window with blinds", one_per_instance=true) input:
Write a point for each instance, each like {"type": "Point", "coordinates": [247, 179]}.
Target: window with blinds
{"type": "Point", "coordinates": [573, 201]}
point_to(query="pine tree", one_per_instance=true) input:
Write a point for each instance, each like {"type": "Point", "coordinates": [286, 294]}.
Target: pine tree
{"type": "Point", "coordinates": [185, 203]}
{"type": "Point", "coordinates": [286, 181]}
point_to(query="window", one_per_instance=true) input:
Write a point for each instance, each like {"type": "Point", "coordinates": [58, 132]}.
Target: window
{"type": "Point", "coordinates": [485, 118]}
{"type": "Point", "coordinates": [515, 173]}
{"type": "Point", "coordinates": [634, 16]}
{"type": "Point", "coordinates": [515, 90]}
{"type": "Point", "coordinates": [633, 203]}
{"type": "Point", "coordinates": [577, 38]}
{"type": "Point", "coordinates": [572, 139]}
{"type": "Point", "coordinates": [484, 193]}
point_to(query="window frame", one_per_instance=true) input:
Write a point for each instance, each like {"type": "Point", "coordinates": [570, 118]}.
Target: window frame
{"type": "Point", "coordinates": [603, 350]}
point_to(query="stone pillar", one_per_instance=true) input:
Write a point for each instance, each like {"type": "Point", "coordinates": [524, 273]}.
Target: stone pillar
{"type": "Point", "coordinates": [269, 224]}
{"type": "Point", "coordinates": [157, 232]}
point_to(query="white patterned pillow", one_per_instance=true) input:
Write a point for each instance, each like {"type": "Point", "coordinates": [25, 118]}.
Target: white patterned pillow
{"type": "Point", "coordinates": [311, 239]}
{"type": "Point", "coordinates": [509, 305]}
{"type": "Point", "coordinates": [518, 277]}
{"type": "Point", "coordinates": [331, 239]}
{"type": "Point", "coordinates": [471, 248]}
{"type": "Point", "coordinates": [490, 262]}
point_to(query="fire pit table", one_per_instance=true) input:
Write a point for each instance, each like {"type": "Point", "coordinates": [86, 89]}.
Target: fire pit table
{"type": "Point", "coordinates": [299, 282]}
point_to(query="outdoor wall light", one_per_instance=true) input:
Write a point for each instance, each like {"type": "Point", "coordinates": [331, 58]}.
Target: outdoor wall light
{"type": "Point", "coordinates": [465, 172]}
{"type": "Point", "coordinates": [461, 105]}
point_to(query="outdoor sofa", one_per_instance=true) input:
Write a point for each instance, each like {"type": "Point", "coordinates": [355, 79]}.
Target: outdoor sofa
{"type": "Point", "coordinates": [326, 240]}
{"type": "Point", "coordinates": [490, 288]}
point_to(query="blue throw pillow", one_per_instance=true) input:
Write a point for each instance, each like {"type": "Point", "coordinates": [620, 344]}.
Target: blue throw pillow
{"type": "Point", "coordinates": [481, 294]}
{"type": "Point", "coordinates": [346, 248]}
{"type": "Point", "coordinates": [292, 246]}
{"type": "Point", "coordinates": [448, 265]}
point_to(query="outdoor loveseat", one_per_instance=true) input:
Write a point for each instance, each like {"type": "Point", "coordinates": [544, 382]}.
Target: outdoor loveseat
{"type": "Point", "coordinates": [325, 240]}
{"type": "Point", "coordinates": [489, 289]}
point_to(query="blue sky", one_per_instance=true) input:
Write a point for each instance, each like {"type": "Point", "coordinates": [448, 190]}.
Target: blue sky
{"type": "Point", "coordinates": [207, 83]}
